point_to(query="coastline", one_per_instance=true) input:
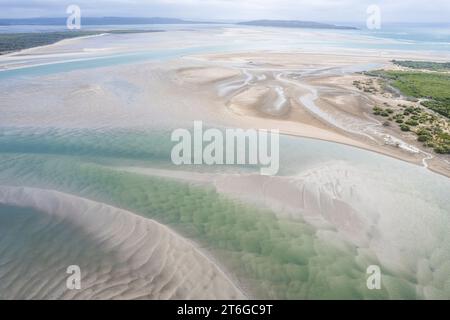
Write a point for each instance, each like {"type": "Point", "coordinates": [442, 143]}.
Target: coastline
{"type": "Point", "coordinates": [68, 40]}
{"type": "Point", "coordinates": [102, 133]}
{"type": "Point", "coordinates": [47, 202]}
{"type": "Point", "coordinates": [218, 79]}
{"type": "Point", "coordinates": [335, 103]}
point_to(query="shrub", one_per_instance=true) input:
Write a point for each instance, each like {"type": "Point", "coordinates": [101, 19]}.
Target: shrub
{"type": "Point", "coordinates": [424, 138]}
{"type": "Point", "coordinates": [405, 128]}
{"type": "Point", "coordinates": [412, 123]}
{"type": "Point", "coordinates": [424, 132]}
{"type": "Point", "coordinates": [442, 149]}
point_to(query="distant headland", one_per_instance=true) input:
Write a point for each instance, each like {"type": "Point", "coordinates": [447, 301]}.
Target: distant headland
{"type": "Point", "coordinates": [158, 20]}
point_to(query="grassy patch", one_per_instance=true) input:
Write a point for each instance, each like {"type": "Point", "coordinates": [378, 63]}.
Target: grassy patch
{"type": "Point", "coordinates": [427, 127]}
{"type": "Point", "coordinates": [10, 42]}
{"type": "Point", "coordinates": [424, 65]}
{"type": "Point", "coordinates": [434, 87]}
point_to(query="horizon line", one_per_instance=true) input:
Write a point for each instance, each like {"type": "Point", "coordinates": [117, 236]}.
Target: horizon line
{"type": "Point", "coordinates": [218, 21]}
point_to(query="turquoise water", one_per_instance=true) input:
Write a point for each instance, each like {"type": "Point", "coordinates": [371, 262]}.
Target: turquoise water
{"type": "Point", "coordinates": [400, 37]}
{"type": "Point", "coordinates": [418, 33]}
{"type": "Point", "coordinates": [105, 61]}
{"type": "Point", "coordinates": [279, 258]}
{"type": "Point", "coordinates": [427, 32]}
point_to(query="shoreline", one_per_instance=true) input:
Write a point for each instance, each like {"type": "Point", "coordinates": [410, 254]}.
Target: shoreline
{"type": "Point", "coordinates": [60, 197]}
{"type": "Point", "coordinates": [257, 88]}
{"type": "Point", "coordinates": [69, 40]}
{"type": "Point", "coordinates": [329, 89]}
{"type": "Point", "coordinates": [383, 153]}
{"type": "Point", "coordinates": [204, 82]}
{"type": "Point", "coordinates": [50, 45]}
{"type": "Point", "coordinates": [79, 132]}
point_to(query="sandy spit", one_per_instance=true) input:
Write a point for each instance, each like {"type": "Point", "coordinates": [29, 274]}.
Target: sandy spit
{"type": "Point", "coordinates": [121, 255]}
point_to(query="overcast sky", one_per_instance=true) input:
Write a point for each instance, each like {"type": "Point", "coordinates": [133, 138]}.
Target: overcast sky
{"type": "Point", "coordinates": [317, 10]}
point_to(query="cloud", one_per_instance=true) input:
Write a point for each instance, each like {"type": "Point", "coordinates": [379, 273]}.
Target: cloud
{"type": "Point", "coordinates": [318, 10]}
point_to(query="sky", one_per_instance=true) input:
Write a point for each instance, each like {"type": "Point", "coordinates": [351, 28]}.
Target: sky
{"type": "Point", "coordinates": [414, 11]}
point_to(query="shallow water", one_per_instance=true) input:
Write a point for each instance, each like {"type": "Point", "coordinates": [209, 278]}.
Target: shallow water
{"type": "Point", "coordinates": [403, 209]}
{"type": "Point", "coordinates": [277, 257]}
{"type": "Point", "coordinates": [104, 61]}
{"type": "Point", "coordinates": [223, 38]}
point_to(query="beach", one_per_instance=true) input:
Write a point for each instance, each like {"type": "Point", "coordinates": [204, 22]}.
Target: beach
{"type": "Point", "coordinates": [85, 145]}
{"type": "Point", "coordinates": [308, 94]}
{"type": "Point", "coordinates": [119, 251]}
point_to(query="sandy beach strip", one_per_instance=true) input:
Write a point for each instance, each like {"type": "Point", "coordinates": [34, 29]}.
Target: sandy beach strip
{"type": "Point", "coordinates": [121, 255]}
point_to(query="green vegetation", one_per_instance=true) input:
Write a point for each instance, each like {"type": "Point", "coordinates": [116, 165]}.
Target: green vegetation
{"type": "Point", "coordinates": [433, 92]}
{"type": "Point", "coordinates": [412, 123]}
{"type": "Point", "coordinates": [424, 65]}
{"type": "Point", "coordinates": [10, 42]}
{"type": "Point", "coordinates": [433, 88]}
{"type": "Point", "coordinates": [442, 145]}
{"type": "Point", "coordinates": [366, 86]}
{"type": "Point", "coordinates": [405, 128]}
{"type": "Point", "coordinates": [378, 111]}
{"type": "Point", "coordinates": [425, 125]}
{"type": "Point", "coordinates": [278, 258]}
{"type": "Point", "coordinates": [441, 107]}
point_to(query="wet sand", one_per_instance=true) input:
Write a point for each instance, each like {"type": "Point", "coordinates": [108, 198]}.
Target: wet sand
{"type": "Point", "coordinates": [311, 95]}
{"type": "Point", "coordinates": [121, 255]}
{"type": "Point", "coordinates": [303, 94]}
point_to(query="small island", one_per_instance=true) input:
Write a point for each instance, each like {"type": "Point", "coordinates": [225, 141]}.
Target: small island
{"type": "Point", "coordinates": [11, 42]}
{"type": "Point", "coordinates": [295, 24]}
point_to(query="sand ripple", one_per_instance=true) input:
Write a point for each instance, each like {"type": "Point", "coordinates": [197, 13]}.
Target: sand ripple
{"type": "Point", "coordinates": [121, 255]}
